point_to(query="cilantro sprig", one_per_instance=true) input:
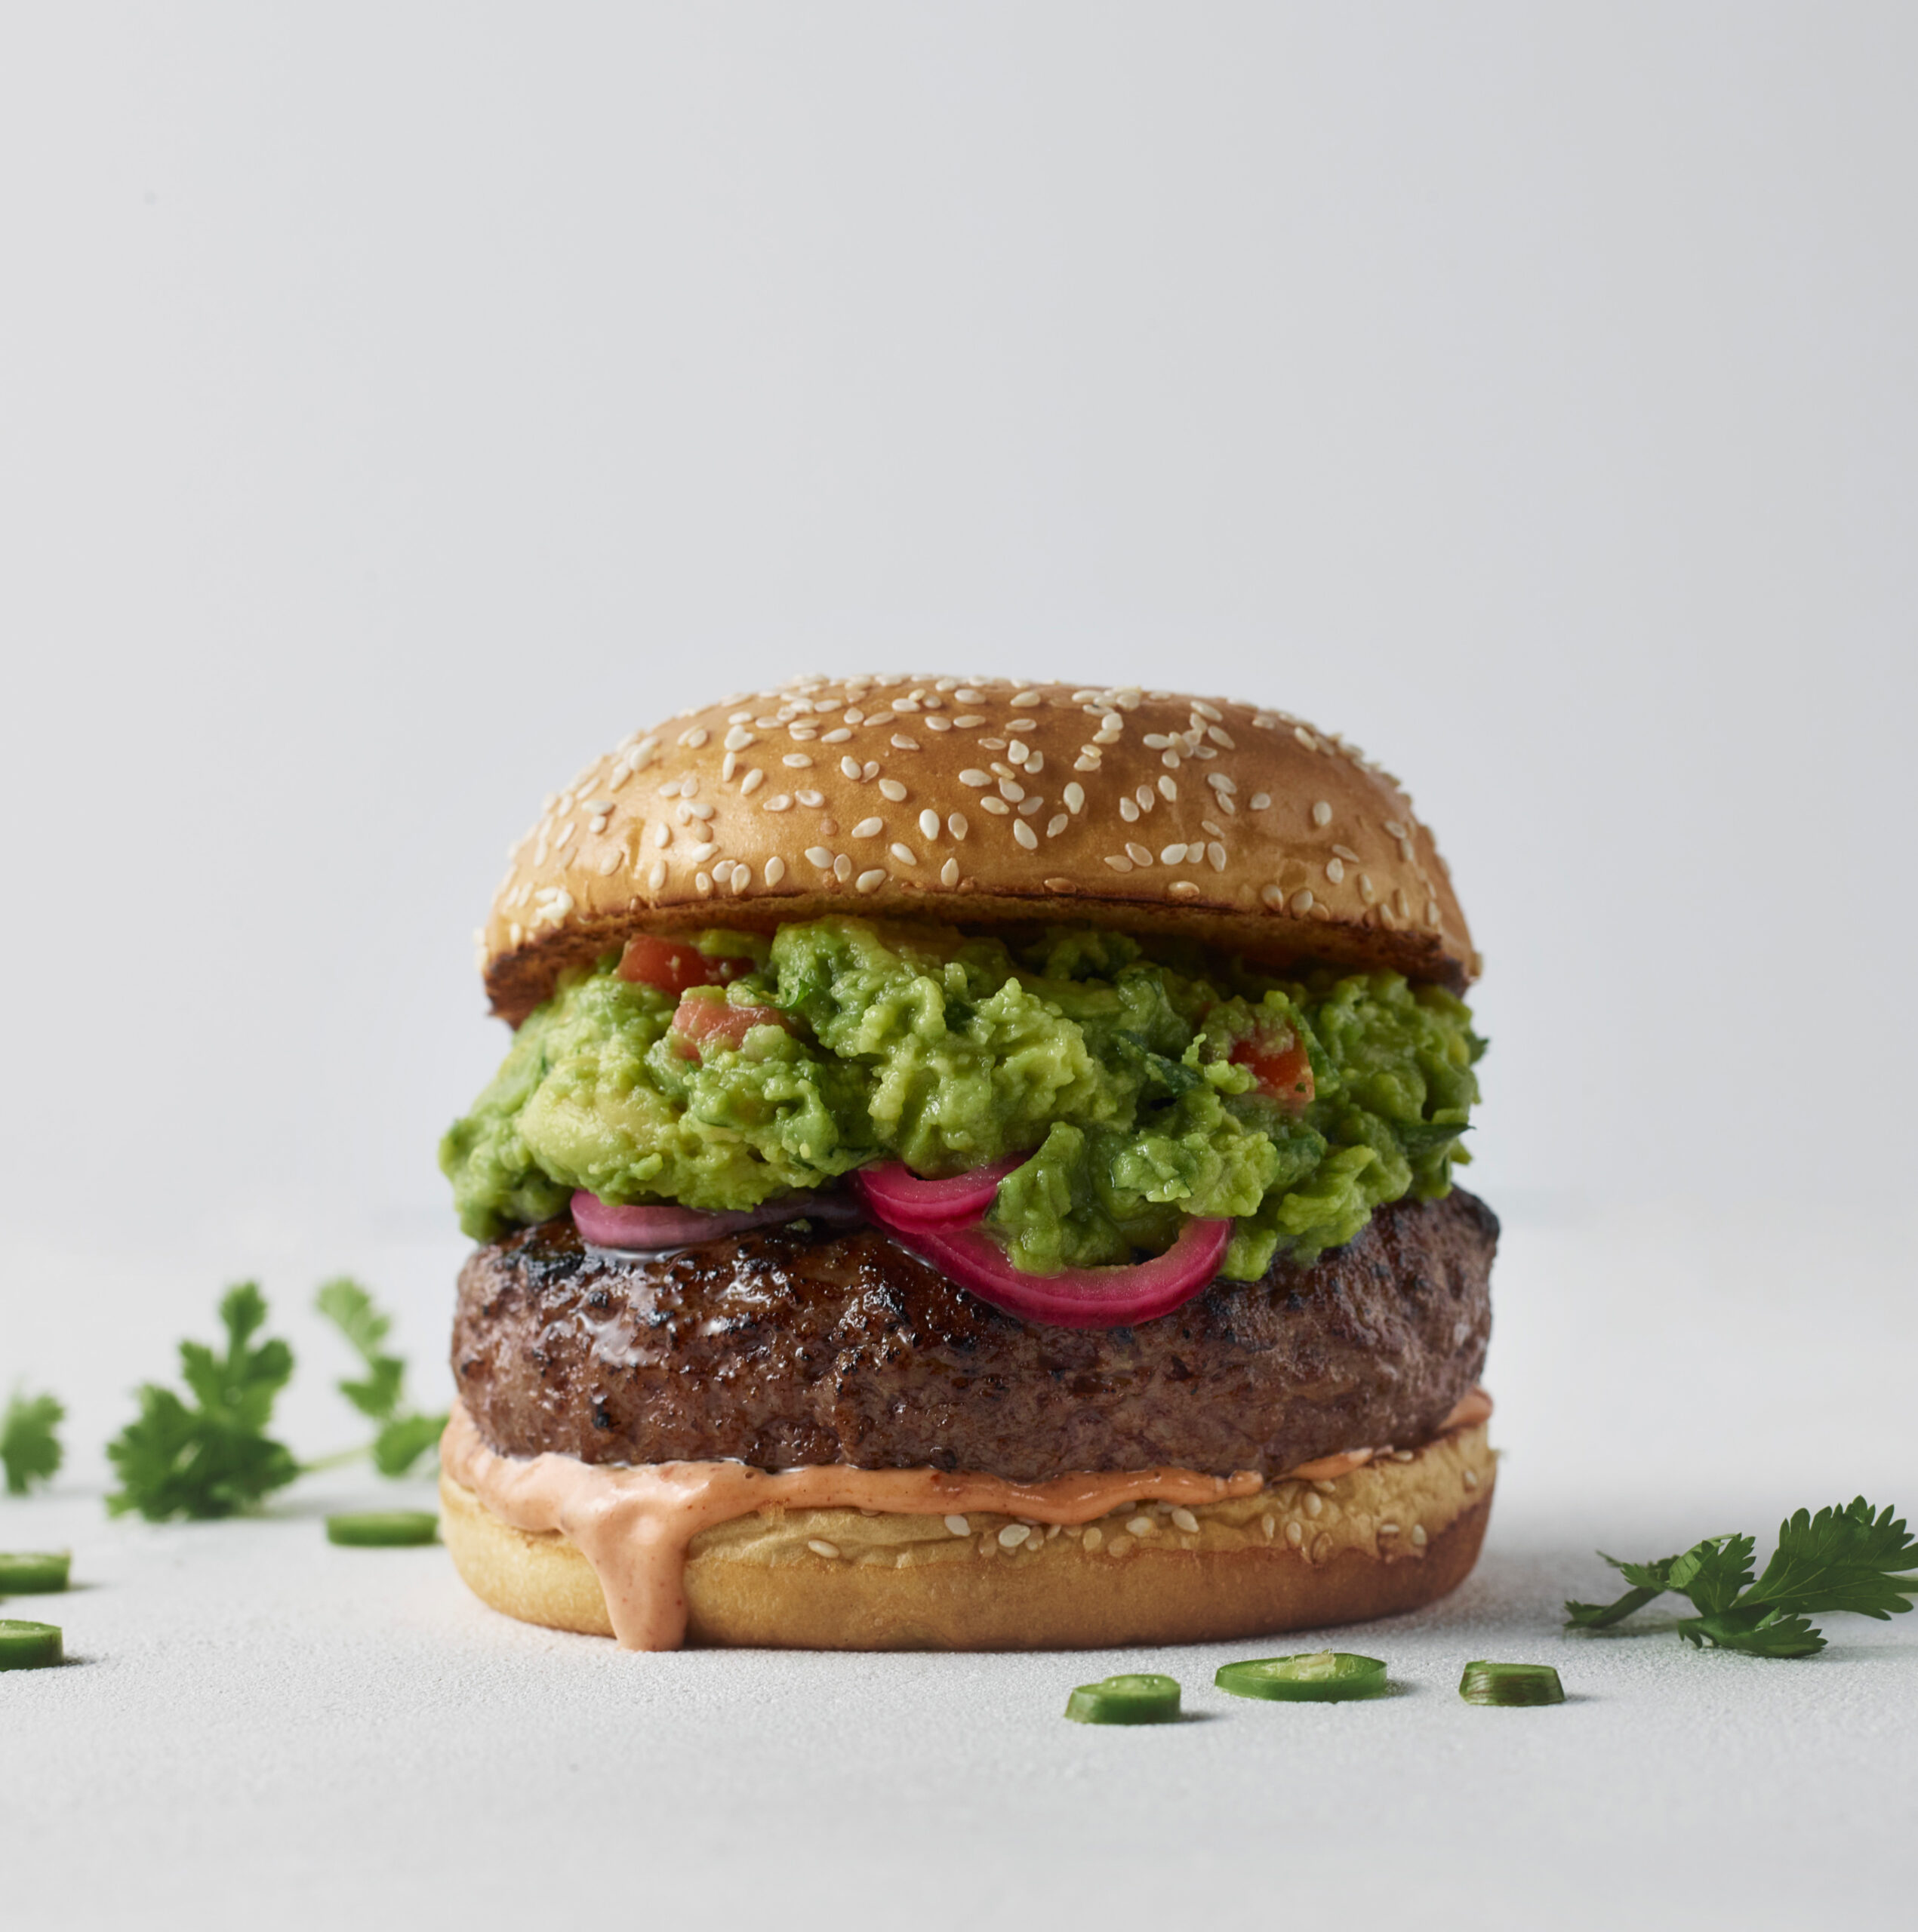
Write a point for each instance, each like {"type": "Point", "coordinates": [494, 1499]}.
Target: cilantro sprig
{"type": "Point", "coordinates": [211, 1457]}
{"type": "Point", "coordinates": [405, 1434]}
{"type": "Point", "coordinates": [1855, 1558]}
{"type": "Point", "coordinates": [30, 1450]}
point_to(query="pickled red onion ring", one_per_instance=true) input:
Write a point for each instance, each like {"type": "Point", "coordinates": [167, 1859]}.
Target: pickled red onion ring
{"type": "Point", "coordinates": [666, 1226]}
{"type": "Point", "coordinates": [896, 1195]}
{"type": "Point", "coordinates": [1081, 1297]}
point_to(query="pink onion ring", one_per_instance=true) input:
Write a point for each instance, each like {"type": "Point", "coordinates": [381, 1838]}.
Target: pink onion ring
{"type": "Point", "coordinates": [897, 1196]}
{"type": "Point", "coordinates": [1081, 1297]}
{"type": "Point", "coordinates": [666, 1226]}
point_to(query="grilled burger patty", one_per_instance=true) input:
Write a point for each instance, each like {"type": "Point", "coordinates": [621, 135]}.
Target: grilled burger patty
{"type": "Point", "coordinates": [793, 1345]}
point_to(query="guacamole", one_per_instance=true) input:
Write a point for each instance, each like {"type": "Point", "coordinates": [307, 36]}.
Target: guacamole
{"type": "Point", "coordinates": [1137, 1077]}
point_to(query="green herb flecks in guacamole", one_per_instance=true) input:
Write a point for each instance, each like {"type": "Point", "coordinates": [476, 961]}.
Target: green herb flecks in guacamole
{"type": "Point", "coordinates": [1132, 1075]}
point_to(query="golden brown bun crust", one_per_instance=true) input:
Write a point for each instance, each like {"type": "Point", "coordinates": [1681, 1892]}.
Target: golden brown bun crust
{"type": "Point", "coordinates": [901, 797]}
{"type": "Point", "coordinates": [762, 1585]}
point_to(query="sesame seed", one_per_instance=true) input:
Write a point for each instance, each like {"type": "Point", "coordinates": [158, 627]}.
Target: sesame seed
{"type": "Point", "coordinates": [775, 870]}
{"type": "Point", "coordinates": [700, 853]}
{"type": "Point", "coordinates": [1301, 902]}
{"type": "Point", "coordinates": [742, 878]}
{"type": "Point", "coordinates": [1024, 699]}
{"type": "Point", "coordinates": [662, 833]}
{"type": "Point", "coordinates": [964, 697]}
{"type": "Point", "coordinates": [1295, 1533]}
{"type": "Point", "coordinates": [818, 855]}
{"type": "Point", "coordinates": [890, 788]}
{"type": "Point", "coordinates": [1471, 1480]}
{"type": "Point", "coordinates": [1346, 853]}
{"type": "Point", "coordinates": [1335, 870]}
{"type": "Point", "coordinates": [1118, 861]}
{"type": "Point", "coordinates": [1173, 855]}
{"type": "Point", "coordinates": [997, 807]}
{"type": "Point", "coordinates": [974, 776]}
{"type": "Point", "coordinates": [970, 723]}
{"type": "Point", "coordinates": [1219, 736]}
{"type": "Point", "coordinates": [959, 1526]}
{"type": "Point", "coordinates": [1322, 1547]}
{"type": "Point", "coordinates": [1259, 800]}
{"type": "Point", "coordinates": [1025, 835]}
{"type": "Point", "coordinates": [1057, 824]}
{"type": "Point", "coordinates": [1216, 853]}
{"type": "Point", "coordinates": [1144, 795]}
{"type": "Point", "coordinates": [904, 854]}
{"type": "Point", "coordinates": [704, 882]}
{"type": "Point", "coordinates": [1269, 1525]}
{"type": "Point", "coordinates": [869, 828]}
{"type": "Point", "coordinates": [1418, 1535]}
{"type": "Point", "coordinates": [837, 735]}
{"type": "Point", "coordinates": [1388, 1529]}
{"type": "Point", "coordinates": [1367, 890]}
{"type": "Point", "coordinates": [751, 783]}
{"type": "Point", "coordinates": [1074, 797]}
{"type": "Point", "coordinates": [695, 738]}
{"type": "Point", "coordinates": [870, 882]}
{"type": "Point", "coordinates": [1153, 741]}
{"type": "Point", "coordinates": [850, 766]}
{"type": "Point", "coordinates": [1092, 1538]}
{"type": "Point", "coordinates": [1013, 1535]}
{"type": "Point", "coordinates": [1167, 789]}
{"type": "Point", "coordinates": [1400, 1455]}
{"type": "Point", "coordinates": [1200, 709]}
{"type": "Point", "coordinates": [1321, 813]}
{"type": "Point", "coordinates": [1086, 761]}
{"type": "Point", "coordinates": [938, 724]}
{"type": "Point", "coordinates": [1182, 888]}
{"type": "Point", "coordinates": [1141, 1525]}
{"type": "Point", "coordinates": [842, 867]}
{"type": "Point", "coordinates": [811, 800]}
{"type": "Point", "coordinates": [1128, 811]}
{"type": "Point", "coordinates": [656, 876]}
{"type": "Point", "coordinates": [799, 761]}
{"type": "Point", "coordinates": [1185, 1519]}
{"type": "Point", "coordinates": [1137, 853]}
{"type": "Point", "coordinates": [902, 743]}
{"type": "Point", "coordinates": [820, 1547]}
{"type": "Point", "coordinates": [1008, 790]}
{"type": "Point", "coordinates": [1393, 829]}
{"type": "Point", "coordinates": [949, 873]}
{"type": "Point", "coordinates": [738, 738]}
{"type": "Point", "coordinates": [1315, 1504]}
{"type": "Point", "coordinates": [956, 825]}
{"type": "Point", "coordinates": [1035, 803]}
{"type": "Point", "coordinates": [929, 823]}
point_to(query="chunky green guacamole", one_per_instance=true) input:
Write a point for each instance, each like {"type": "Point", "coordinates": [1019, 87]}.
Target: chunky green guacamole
{"type": "Point", "coordinates": [1108, 1061]}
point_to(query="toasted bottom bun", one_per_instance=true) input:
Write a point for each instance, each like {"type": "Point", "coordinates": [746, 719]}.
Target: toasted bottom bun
{"type": "Point", "coordinates": [1391, 1536]}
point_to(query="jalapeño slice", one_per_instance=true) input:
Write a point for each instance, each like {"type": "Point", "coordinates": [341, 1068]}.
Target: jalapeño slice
{"type": "Point", "coordinates": [29, 1646]}
{"type": "Point", "coordinates": [1146, 1698]}
{"type": "Point", "coordinates": [25, 1573]}
{"type": "Point", "coordinates": [383, 1529]}
{"type": "Point", "coordinates": [1510, 1684]}
{"type": "Point", "coordinates": [1316, 1677]}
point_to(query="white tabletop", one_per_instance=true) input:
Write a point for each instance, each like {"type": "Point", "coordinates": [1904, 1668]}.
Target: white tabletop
{"type": "Point", "coordinates": [256, 1726]}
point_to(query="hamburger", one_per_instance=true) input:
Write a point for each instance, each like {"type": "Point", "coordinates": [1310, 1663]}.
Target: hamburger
{"type": "Point", "coordinates": [973, 1170]}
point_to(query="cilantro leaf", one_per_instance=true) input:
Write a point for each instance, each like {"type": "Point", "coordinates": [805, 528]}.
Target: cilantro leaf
{"type": "Point", "coordinates": [404, 1436]}
{"type": "Point", "coordinates": [1840, 1559]}
{"type": "Point", "coordinates": [214, 1458]}
{"type": "Point", "coordinates": [29, 1448]}
{"type": "Point", "coordinates": [1758, 1629]}
{"type": "Point", "coordinates": [1713, 1572]}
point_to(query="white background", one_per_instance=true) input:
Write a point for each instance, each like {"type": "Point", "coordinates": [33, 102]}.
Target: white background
{"type": "Point", "coordinates": [398, 405]}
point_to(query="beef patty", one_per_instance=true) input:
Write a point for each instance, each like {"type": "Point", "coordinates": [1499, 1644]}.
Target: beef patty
{"type": "Point", "coordinates": [792, 1345]}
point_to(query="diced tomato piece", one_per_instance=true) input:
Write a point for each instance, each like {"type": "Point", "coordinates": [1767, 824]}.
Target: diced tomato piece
{"type": "Point", "coordinates": [672, 966]}
{"type": "Point", "coordinates": [1279, 1063]}
{"type": "Point", "coordinates": [701, 1022]}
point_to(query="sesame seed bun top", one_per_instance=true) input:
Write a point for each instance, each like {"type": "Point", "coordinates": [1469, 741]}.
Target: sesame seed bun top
{"type": "Point", "coordinates": [980, 801]}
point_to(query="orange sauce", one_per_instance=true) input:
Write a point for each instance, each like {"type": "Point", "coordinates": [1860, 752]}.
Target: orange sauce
{"type": "Point", "coordinates": [634, 1523]}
